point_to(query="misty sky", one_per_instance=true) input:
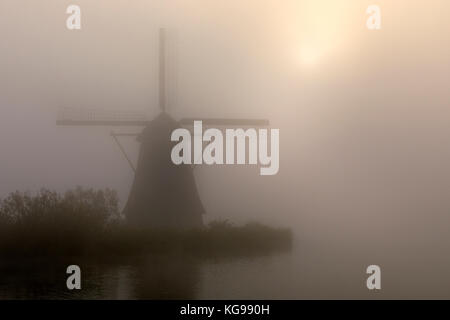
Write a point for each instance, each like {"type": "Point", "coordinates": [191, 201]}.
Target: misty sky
{"type": "Point", "coordinates": [363, 115]}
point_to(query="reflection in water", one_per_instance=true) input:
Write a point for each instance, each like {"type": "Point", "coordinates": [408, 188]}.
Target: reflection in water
{"type": "Point", "coordinates": [150, 277]}
{"type": "Point", "coordinates": [166, 278]}
{"type": "Point", "coordinates": [320, 269]}
{"type": "Point", "coordinates": [162, 277]}
{"type": "Point", "coordinates": [324, 270]}
{"type": "Point", "coordinates": [311, 270]}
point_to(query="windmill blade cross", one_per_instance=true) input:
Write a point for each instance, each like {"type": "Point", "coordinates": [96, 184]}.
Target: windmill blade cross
{"type": "Point", "coordinates": [227, 122]}
{"type": "Point", "coordinates": [100, 123]}
{"type": "Point", "coordinates": [100, 117]}
{"type": "Point", "coordinates": [162, 69]}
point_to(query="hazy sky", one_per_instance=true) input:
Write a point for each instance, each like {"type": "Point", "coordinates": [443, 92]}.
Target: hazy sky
{"type": "Point", "coordinates": [363, 115]}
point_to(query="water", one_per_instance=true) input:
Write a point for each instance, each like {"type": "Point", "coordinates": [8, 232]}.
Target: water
{"type": "Point", "coordinates": [319, 269]}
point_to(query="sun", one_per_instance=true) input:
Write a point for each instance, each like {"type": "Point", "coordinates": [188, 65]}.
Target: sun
{"type": "Point", "coordinates": [323, 29]}
{"type": "Point", "coordinates": [309, 56]}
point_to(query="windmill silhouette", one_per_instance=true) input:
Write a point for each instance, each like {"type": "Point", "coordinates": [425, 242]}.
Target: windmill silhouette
{"type": "Point", "coordinates": [163, 195]}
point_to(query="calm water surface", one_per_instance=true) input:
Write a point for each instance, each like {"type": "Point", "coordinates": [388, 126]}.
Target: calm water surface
{"type": "Point", "coordinates": [310, 270]}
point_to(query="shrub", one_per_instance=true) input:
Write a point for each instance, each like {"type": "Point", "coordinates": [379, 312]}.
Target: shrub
{"type": "Point", "coordinates": [87, 222]}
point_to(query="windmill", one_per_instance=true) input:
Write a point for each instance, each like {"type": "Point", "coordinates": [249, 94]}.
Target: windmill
{"type": "Point", "coordinates": [163, 195]}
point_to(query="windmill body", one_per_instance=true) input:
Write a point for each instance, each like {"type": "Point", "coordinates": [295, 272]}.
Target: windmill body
{"type": "Point", "coordinates": [163, 194]}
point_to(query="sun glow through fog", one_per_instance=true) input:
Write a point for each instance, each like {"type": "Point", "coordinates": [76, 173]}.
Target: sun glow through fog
{"type": "Point", "coordinates": [309, 56]}
{"type": "Point", "coordinates": [323, 28]}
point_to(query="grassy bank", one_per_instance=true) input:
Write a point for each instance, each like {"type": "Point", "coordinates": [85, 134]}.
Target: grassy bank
{"type": "Point", "coordinates": [87, 223]}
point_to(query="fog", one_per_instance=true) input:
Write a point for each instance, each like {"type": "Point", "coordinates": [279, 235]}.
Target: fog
{"type": "Point", "coordinates": [363, 115]}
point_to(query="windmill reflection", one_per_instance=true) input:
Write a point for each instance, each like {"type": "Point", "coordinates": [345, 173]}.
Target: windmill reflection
{"type": "Point", "coordinates": [167, 278]}
{"type": "Point", "coordinates": [162, 277]}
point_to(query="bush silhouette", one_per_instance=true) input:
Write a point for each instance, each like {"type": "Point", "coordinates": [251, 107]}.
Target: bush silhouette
{"type": "Point", "coordinates": [87, 222]}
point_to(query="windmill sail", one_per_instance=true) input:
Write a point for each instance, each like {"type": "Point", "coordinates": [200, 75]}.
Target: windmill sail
{"type": "Point", "coordinates": [224, 122]}
{"type": "Point", "coordinates": [100, 117]}
{"type": "Point", "coordinates": [162, 70]}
